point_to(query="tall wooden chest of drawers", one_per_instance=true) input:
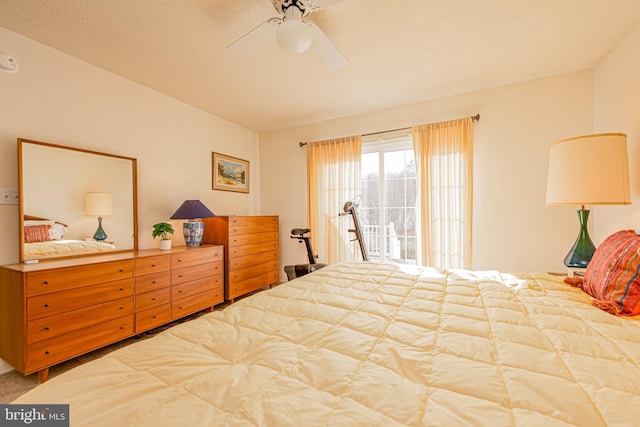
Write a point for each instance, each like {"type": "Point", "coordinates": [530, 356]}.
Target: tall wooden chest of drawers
{"type": "Point", "coordinates": [252, 256]}
{"type": "Point", "coordinates": [56, 310]}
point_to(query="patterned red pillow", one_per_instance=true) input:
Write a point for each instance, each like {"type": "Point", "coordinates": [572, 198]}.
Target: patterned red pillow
{"type": "Point", "coordinates": [36, 233]}
{"type": "Point", "coordinates": [612, 276]}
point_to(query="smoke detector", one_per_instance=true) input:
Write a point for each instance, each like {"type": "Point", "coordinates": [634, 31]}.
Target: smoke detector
{"type": "Point", "coordinates": [7, 63]}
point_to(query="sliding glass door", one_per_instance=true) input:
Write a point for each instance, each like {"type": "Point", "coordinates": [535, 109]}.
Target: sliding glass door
{"type": "Point", "coordinates": [387, 210]}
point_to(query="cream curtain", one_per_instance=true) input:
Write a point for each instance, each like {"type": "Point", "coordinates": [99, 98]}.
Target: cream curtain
{"type": "Point", "coordinates": [444, 159]}
{"type": "Point", "coordinates": [333, 178]}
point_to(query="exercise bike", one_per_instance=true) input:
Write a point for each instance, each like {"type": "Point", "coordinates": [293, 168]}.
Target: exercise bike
{"type": "Point", "coordinates": [298, 270]}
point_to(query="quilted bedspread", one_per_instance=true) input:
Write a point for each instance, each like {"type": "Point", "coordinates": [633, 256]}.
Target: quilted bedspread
{"type": "Point", "coordinates": [370, 344]}
{"type": "Point", "coordinates": [65, 247]}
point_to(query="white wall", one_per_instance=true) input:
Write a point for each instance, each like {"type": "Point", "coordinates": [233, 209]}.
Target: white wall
{"type": "Point", "coordinates": [513, 229]}
{"type": "Point", "coordinates": [59, 99]}
{"type": "Point", "coordinates": [617, 109]}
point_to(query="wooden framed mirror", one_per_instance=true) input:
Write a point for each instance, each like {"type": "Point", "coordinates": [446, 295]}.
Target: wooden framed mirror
{"type": "Point", "coordinates": [58, 216]}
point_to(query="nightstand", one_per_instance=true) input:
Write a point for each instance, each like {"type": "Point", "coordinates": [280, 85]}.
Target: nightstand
{"type": "Point", "coordinates": [571, 271]}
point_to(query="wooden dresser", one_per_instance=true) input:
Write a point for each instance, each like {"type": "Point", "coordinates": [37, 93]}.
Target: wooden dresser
{"type": "Point", "coordinates": [252, 256]}
{"type": "Point", "coordinates": [56, 310]}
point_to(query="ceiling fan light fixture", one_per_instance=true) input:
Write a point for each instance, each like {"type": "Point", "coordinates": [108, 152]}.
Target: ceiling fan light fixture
{"type": "Point", "coordinates": [294, 36]}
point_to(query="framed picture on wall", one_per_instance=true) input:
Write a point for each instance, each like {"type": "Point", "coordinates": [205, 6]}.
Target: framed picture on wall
{"type": "Point", "coordinates": [230, 173]}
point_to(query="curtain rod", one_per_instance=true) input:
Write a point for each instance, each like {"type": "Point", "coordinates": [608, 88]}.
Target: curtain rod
{"type": "Point", "coordinates": [475, 118]}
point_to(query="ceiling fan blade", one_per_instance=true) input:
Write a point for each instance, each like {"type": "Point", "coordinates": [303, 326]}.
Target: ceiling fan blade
{"type": "Point", "coordinates": [327, 52]}
{"type": "Point", "coordinates": [254, 38]}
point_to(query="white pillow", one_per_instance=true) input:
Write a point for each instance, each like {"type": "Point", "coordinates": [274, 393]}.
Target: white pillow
{"type": "Point", "coordinates": [57, 230]}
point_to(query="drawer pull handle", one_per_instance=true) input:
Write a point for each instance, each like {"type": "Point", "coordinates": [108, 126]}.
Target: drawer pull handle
{"type": "Point", "coordinates": [46, 328]}
{"type": "Point", "coordinates": [180, 276]}
{"type": "Point", "coordinates": [46, 352]}
{"type": "Point", "coordinates": [122, 289]}
{"type": "Point", "coordinates": [180, 291]}
{"type": "Point", "coordinates": [121, 271]}
{"type": "Point", "coordinates": [121, 308]}
{"type": "Point", "coordinates": [153, 317]}
{"type": "Point", "coordinates": [46, 282]}
{"type": "Point", "coordinates": [153, 299]}
{"type": "Point", "coordinates": [46, 305]}
{"type": "Point", "coordinates": [121, 327]}
{"type": "Point", "coordinates": [153, 265]}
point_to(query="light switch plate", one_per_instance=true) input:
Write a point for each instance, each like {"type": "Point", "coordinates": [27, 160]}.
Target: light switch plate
{"type": "Point", "coordinates": [9, 196]}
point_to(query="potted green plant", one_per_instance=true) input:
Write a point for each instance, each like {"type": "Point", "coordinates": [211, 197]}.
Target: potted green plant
{"type": "Point", "coordinates": [163, 229]}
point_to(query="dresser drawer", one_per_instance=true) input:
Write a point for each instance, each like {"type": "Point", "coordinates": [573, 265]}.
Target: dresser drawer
{"type": "Point", "coordinates": [151, 282]}
{"type": "Point", "coordinates": [194, 257]}
{"type": "Point", "coordinates": [244, 250]}
{"type": "Point", "coordinates": [245, 239]}
{"type": "Point", "coordinates": [60, 302]}
{"type": "Point", "coordinates": [253, 228]}
{"type": "Point", "coordinates": [253, 271]}
{"type": "Point", "coordinates": [196, 287]}
{"type": "Point", "coordinates": [248, 221]}
{"type": "Point", "coordinates": [196, 272]}
{"type": "Point", "coordinates": [196, 302]}
{"type": "Point", "coordinates": [153, 298]}
{"type": "Point", "coordinates": [52, 326]}
{"type": "Point", "coordinates": [153, 317]}
{"type": "Point", "coordinates": [245, 286]}
{"type": "Point", "coordinates": [45, 281]}
{"type": "Point", "coordinates": [49, 352]}
{"type": "Point", "coordinates": [152, 264]}
{"type": "Point", "coordinates": [249, 260]}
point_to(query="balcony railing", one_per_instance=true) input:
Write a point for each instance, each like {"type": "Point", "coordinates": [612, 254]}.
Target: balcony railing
{"type": "Point", "coordinates": [371, 235]}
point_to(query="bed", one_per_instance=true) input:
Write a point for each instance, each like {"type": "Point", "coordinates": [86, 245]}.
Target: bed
{"type": "Point", "coordinates": [374, 344]}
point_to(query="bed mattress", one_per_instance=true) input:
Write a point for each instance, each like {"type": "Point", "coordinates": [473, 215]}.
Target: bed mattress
{"type": "Point", "coordinates": [378, 345]}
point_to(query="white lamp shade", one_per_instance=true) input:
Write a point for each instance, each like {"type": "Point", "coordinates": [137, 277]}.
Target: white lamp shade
{"type": "Point", "coordinates": [294, 36]}
{"type": "Point", "coordinates": [589, 170]}
{"type": "Point", "coordinates": [98, 204]}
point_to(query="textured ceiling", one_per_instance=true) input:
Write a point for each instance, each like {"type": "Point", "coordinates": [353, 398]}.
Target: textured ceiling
{"type": "Point", "coordinates": [399, 51]}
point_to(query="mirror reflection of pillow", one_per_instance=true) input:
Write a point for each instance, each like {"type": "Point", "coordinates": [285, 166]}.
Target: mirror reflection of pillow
{"type": "Point", "coordinates": [36, 233]}
{"type": "Point", "coordinates": [56, 229]}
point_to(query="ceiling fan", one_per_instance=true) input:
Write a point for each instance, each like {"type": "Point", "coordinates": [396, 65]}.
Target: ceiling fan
{"type": "Point", "coordinates": [293, 33]}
